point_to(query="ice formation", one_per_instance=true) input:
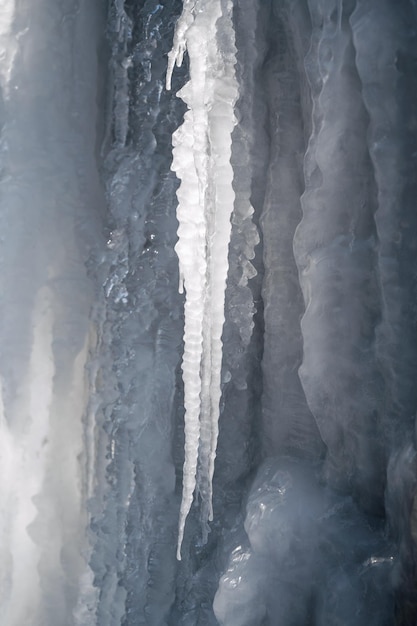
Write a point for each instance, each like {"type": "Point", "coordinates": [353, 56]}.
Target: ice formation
{"type": "Point", "coordinates": [201, 160]}
{"type": "Point", "coordinates": [47, 157]}
{"type": "Point", "coordinates": [288, 163]}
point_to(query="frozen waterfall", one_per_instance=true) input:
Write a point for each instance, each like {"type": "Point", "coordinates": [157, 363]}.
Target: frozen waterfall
{"type": "Point", "coordinates": [240, 451]}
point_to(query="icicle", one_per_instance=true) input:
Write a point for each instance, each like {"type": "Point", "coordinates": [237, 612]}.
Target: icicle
{"type": "Point", "coordinates": [201, 160]}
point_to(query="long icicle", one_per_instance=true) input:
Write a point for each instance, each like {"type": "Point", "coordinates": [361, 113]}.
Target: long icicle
{"type": "Point", "coordinates": [201, 160]}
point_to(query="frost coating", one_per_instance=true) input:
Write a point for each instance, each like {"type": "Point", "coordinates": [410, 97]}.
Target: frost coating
{"type": "Point", "coordinates": [201, 160]}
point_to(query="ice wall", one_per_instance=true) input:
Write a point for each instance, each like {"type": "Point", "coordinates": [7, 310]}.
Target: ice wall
{"type": "Point", "coordinates": [314, 508]}
{"type": "Point", "coordinates": [49, 202]}
{"type": "Point", "coordinates": [288, 424]}
{"type": "Point", "coordinates": [136, 505]}
{"type": "Point", "coordinates": [334, 125]}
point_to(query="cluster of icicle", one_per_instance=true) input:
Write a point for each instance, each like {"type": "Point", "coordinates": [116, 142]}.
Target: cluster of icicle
{"type": "Point", "coordinates": [201, 160]}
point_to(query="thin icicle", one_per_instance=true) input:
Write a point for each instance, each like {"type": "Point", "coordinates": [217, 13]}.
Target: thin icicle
{"type": "Point", "coordinates": [176, 55]}
{"type": "Point", "coordinates": [201, 160]}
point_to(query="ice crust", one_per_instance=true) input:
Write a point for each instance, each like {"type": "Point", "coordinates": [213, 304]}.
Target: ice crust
{"type": "Point", "coordinates": [335, 250]}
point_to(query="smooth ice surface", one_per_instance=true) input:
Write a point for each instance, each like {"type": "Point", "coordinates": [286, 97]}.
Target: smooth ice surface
{"type": "Point", "coordinates": [309, 556]}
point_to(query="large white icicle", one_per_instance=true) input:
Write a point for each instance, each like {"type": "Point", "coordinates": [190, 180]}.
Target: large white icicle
{"type": "Point", "coordinates": [201, 160]}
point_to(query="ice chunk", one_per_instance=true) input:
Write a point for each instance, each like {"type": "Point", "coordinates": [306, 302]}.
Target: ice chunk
{"type": "Point", "coordinates": [311, 557]}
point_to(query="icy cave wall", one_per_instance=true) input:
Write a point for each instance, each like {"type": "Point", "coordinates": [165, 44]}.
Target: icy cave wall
{"type": "Point", "coordinates": [314, 517]}
{"type": "Point", "coordinates": [318, 400]}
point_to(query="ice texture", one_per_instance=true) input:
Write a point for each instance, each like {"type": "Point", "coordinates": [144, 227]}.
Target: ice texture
{"type": "Point", "coordinates": [134, 511]}
{"type": "Point", "coordinates": [308, 120]}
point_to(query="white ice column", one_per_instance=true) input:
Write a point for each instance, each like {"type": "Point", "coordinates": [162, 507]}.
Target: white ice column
{"type": "Point", "coordinates": [201, 160]}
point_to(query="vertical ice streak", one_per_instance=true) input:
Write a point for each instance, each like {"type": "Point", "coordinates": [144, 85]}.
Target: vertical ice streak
{"type": "Point", "coordinates": [201, 160]}
{"type": "Point", "coordinates": [8, 43]}
{"type": "Point", "coordinates": [49, 198]}
{"type": "Point", "coordinates": [23, 462]}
